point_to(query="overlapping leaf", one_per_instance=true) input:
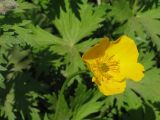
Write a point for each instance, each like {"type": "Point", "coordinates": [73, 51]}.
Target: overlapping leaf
{"type": "Point", "coordinates": [73, 29]}
{"type": "Point", "coordinates": [136, 23]}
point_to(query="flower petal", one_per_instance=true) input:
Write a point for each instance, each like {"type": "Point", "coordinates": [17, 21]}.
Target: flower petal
{"type": "Point", "coordinates": [133, 71]}
{"type": "Point", "coordinates": [96, 51]}
{"type": "Point", "coordinates": [124, 49]}
{"type": "Point", "coordinates": [111, 87]}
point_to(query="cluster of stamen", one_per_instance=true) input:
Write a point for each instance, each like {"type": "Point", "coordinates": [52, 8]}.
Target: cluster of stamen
{"type": "Point", "coordinates": [106, 65]}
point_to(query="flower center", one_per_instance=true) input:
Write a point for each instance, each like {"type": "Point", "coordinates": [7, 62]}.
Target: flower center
{"type": "Point", "coordinates": [108, 65]}
{"type": "Point", "coordinates": [104, 67]}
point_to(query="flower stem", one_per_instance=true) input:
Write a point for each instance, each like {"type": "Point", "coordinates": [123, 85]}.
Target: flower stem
{"type": "Point", "coordinates": [69, 78]}
{"type": "Point", "coordinates": [60, 97]}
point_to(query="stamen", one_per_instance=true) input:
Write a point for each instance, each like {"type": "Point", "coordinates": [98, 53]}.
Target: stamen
{"type": "Point", "coordinates": [108, 65]}
{"type": "Point", "coordinates": [104, 67]}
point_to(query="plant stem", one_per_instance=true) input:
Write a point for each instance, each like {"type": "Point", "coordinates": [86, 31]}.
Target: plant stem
{"type": "Point", "coordinates": [68, 79]}
{"type": "Point", "coordinates": [62, 91]}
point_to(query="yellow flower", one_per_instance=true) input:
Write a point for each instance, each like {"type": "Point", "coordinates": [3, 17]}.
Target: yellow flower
{"type": "Point", "coordinates": [112, 63]}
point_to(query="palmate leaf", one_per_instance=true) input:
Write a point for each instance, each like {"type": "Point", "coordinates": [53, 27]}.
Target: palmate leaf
{"type": "Point", "coordinates": [78, 107]}
{"type": "Point", "coordinates": [85, 102]}
{"type": "Point", "coordinates": [22, 6]}
{"type": "Point", "coordinates": [74, 61]}
{"type": "Point", "coordinates": [19, 58]}
{"type": "Point", "coordinates": [7, 41]}
{"type": "Point", "coordinates": [120, 11]}
{"type": "Point", "coordinates": [84, 46]}
{"type": "Point", "coordinates": [35, 114]}
{"type": "Point", "coordinates": [129, 100]}
{"type": "Point", "coordinates": [46, 117]}
{"type": "Point", "coordinates": [145, 112]}
{"type": "Point", "coordinates": [73, 29]}
{"type": "Point", "coordinates": [62, 110]}
{"type": "Point", "coordinates": [7, 109]}
{"type": "Point", "coordinates": [87, 109]}
{"type": "Point", "coordinates": [23, 34]}
{"type": "Point", "coordinates": [137, 24]}
{"type": "Point", "coordinates": [147, 60]}
{"type": "Point", "coordinates": [35, 37]}
{"type": "Point", "coordinates": [145, 91]}
{"type": "Point", "coordinates": [151, 24]}
{"type": "Point", "coordinates": [147, 88]}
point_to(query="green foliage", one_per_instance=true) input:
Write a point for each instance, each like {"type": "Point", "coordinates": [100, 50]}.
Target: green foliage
{"type": "Point", "coordinates": [73, 29]}
{"type": "Point", "coordinates": [136, 22]}
{"type": "Point", "coordinates": [7, 109]}
{"type": "Point", "coordinates": [41, 42]}
{"type": "Point", "coordinates": [85, 104]}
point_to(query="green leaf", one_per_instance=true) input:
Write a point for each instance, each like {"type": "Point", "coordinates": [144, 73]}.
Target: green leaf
{"type": "Point", "coordinates": [2, 68]}
{"type": "Point", "coordinates": [87, 109]}
{"type": "Point", "coordinates": [140, 25]}
{"type": "Point", "coordinates": [73, 61]}
{"type": "Point", "coordinates": [120, 10]}
{"type": "Point", "coordinates": [85, 45]}
{"type": "Point", "coordinates": [7, 41]}
{"type": "Point", "coordinates": [131, 27]}
{"type": "Point", "coordinates": [46, 117]}
{"type": "Point", "coordinates": [20, 59]}
{"type": "Point", "coordinates": [35, 36]}
{"type": "Point", "coordinates": [145, 112]}
{"type": "Point", "coordinates": [85, 102]}
{"type": "Point", "coordinates": [129, 100]}
{"type": "Point", "coordinates": [79, 97]}
{"type": "Point", "coordinates": [73, 29]}
{"type": "Point", "coordinates": [35, 114]}
{"type": "Point", "coordinates": [7, 109]}
{"type": "Point", "coordinates": [147, 60]}
{"type": "Point", "coordinates": [22, 6]}
{"type": "Point", "coordinates": [62, 110]}
{"type": "Point", "coordinates": [2, 85]}
{"type": "Point", "coordinates": [151, 24]}
{"type": "Point", "coordinates": [147, 88]}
